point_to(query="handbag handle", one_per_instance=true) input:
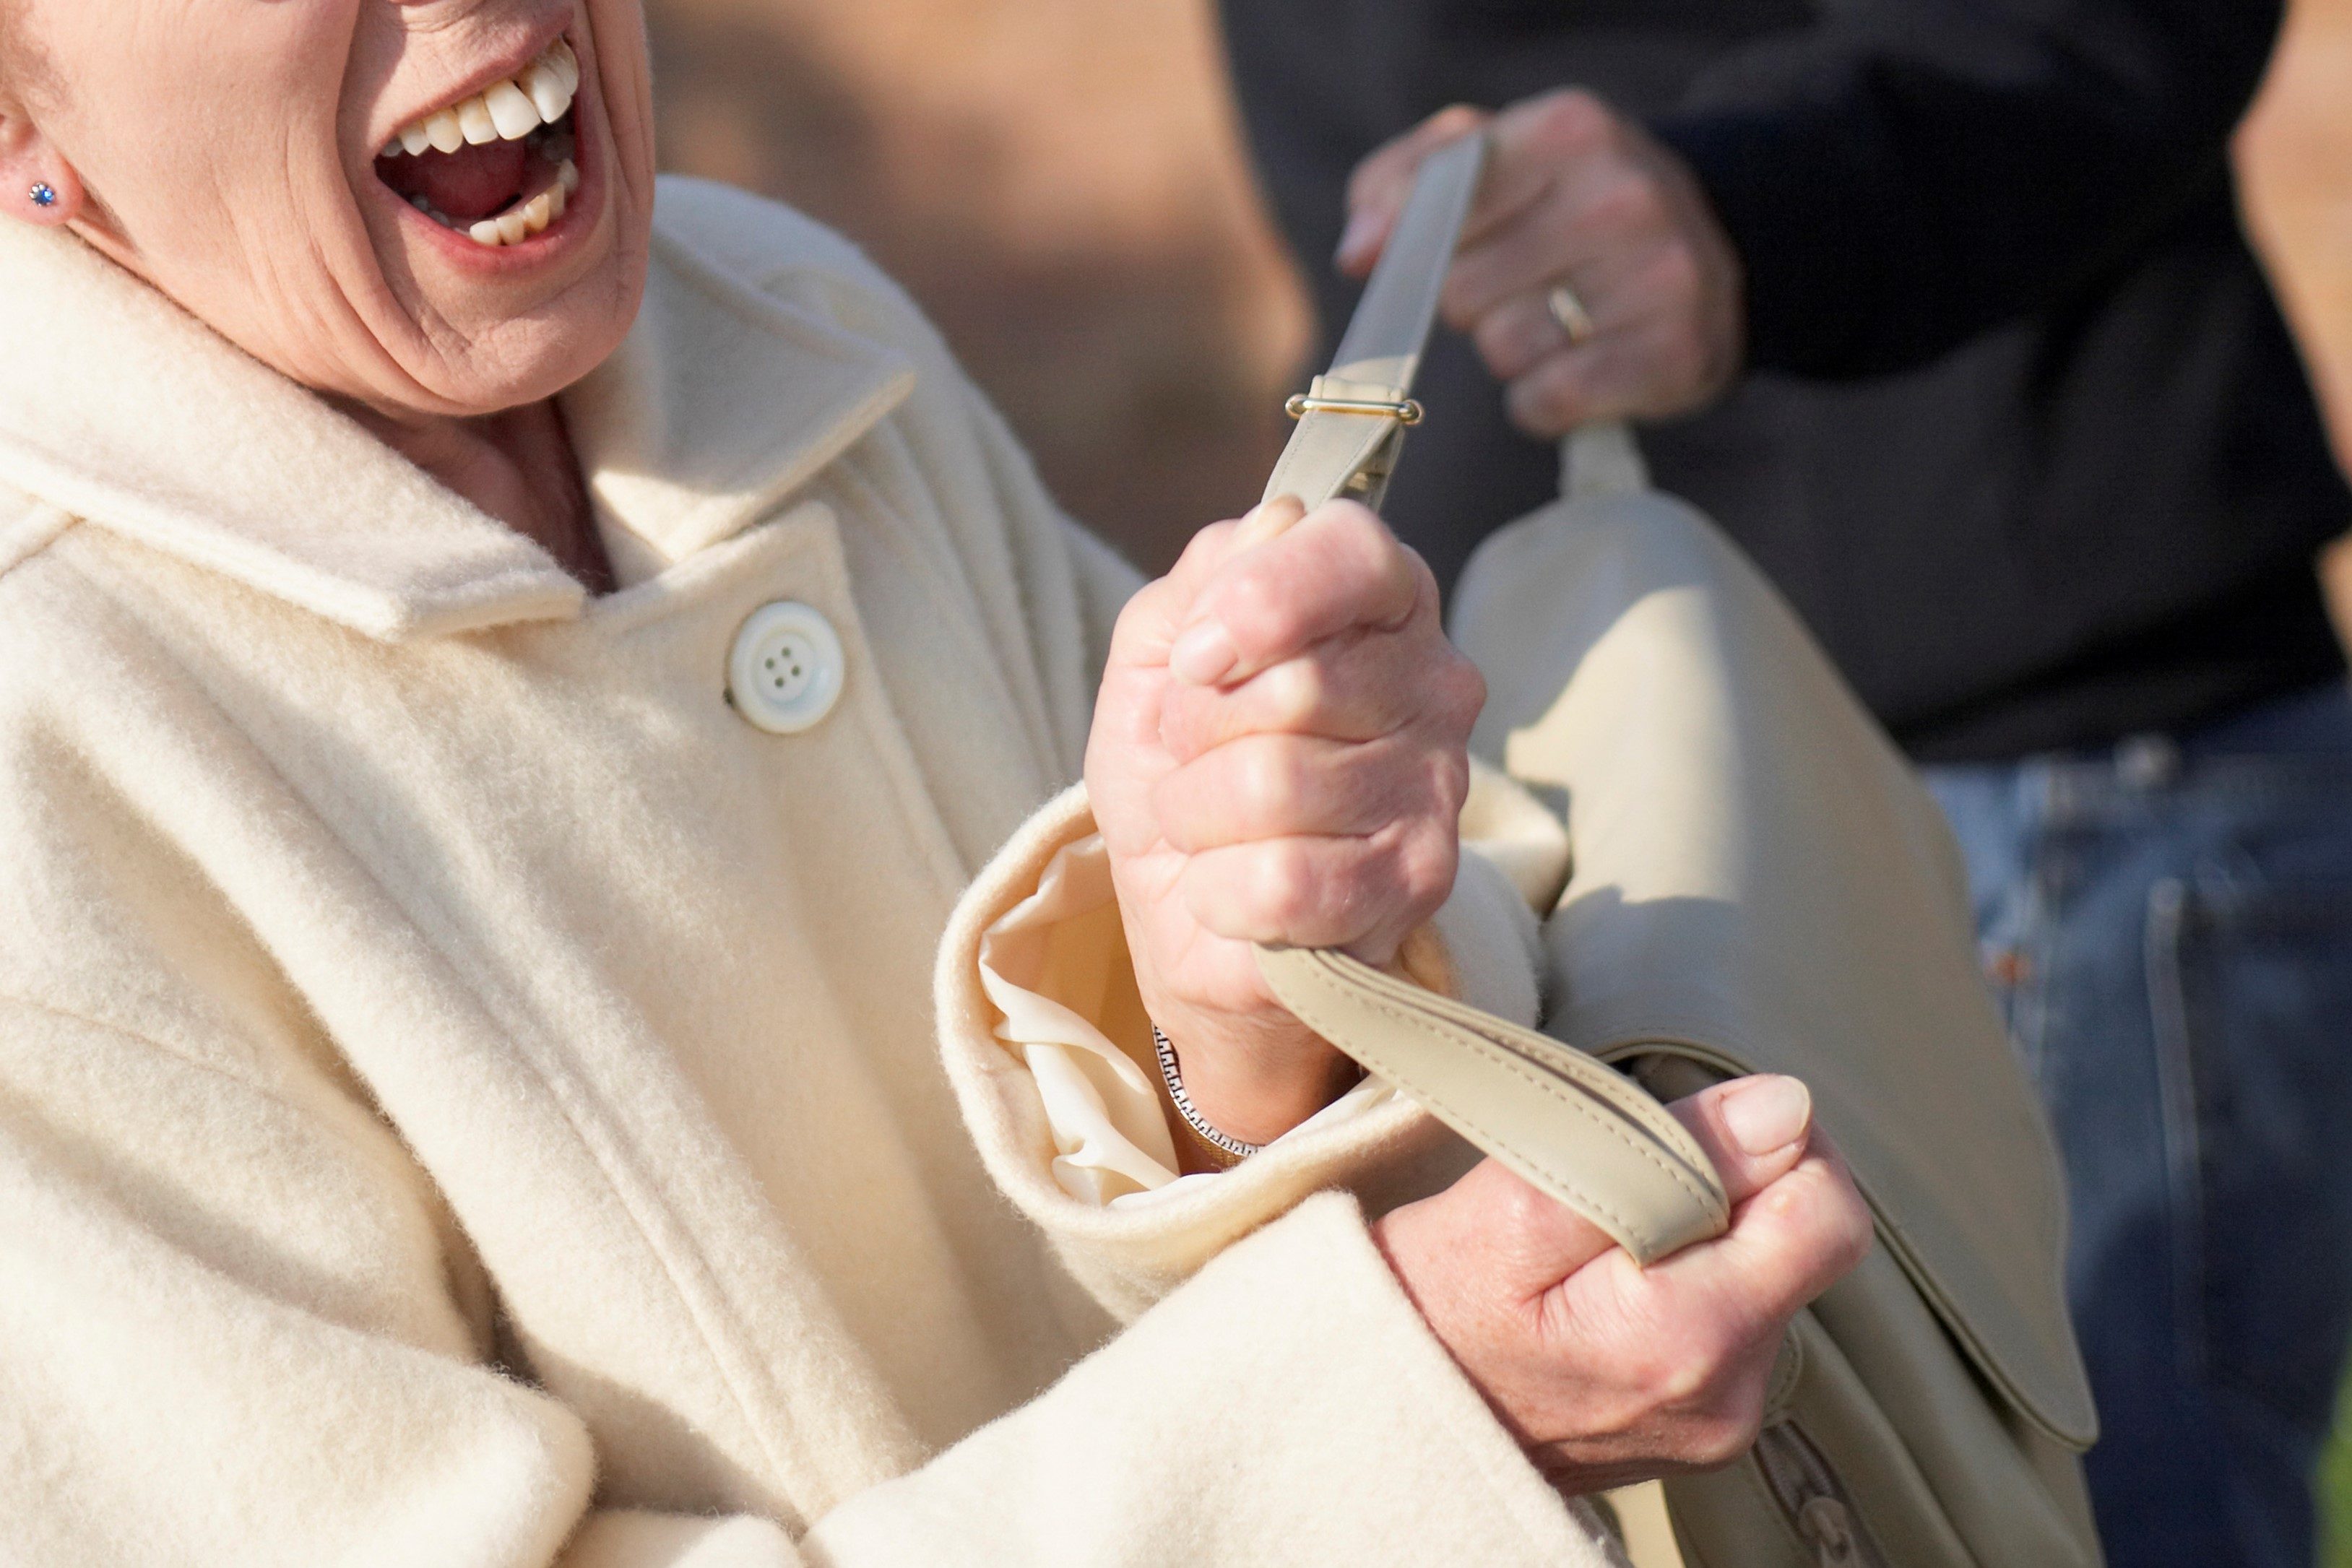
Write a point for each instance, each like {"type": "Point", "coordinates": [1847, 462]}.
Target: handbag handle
{"type": "Point", "coordinates": [1602, 459]}
{"type": "Point", "coordinates": [1579, 1130]}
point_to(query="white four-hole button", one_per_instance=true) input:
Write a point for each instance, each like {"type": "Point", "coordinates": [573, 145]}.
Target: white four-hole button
{"type": "Point", "coordinates": [785, 671]}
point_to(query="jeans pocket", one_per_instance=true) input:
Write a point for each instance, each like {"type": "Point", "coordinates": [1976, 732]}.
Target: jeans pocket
{"type": "Point", "coordinates": [2252, 984]}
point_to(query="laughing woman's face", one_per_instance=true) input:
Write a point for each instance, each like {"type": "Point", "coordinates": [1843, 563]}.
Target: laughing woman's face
{"type": "Point", "coordinates": [430, 206]}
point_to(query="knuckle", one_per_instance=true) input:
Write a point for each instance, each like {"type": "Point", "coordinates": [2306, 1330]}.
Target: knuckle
{"type": "Point", "coordinates": [1358, 530]}
{"type": "Point", "coordinates": [1456, 120]}
{"type": "Point", "coordinates": [1675, 273]}
{"type": "Point", "coordinates": [1427, 862]}
{"type": "Point", "coordinates": [1460, 689]}
{"type": "Point", "coordinates": [1521, 1211]}
{"type": "Point", "coordinates": [1194, 561]}
{"type": "Point", "coordinates": [1255, 609]}
{"type": "Point", "coordinates": [1146, 604]}
{"type": "Point", "coordinates": [1824, 1200]}
{"type": "Point", "coordinates": [1267, 781]}
{"type": "Point", "coordinates": [1284, 886]}
{"type": "Point", "coordinates": [1685, 358]}
{"type": "Point", "coordinates": [1626, 202]}
{"type": "Point", "coordinates": [1572, 120]}
{"type": "Point", "coordinates": [1856, 1233]}
{"type": "Point", "coordinates": [1713, 1350]}
{"type": "Point", "coordinates": [1507, 341]}
{"type": "Point", "coordinates": [1542, 402]}
{"type": "Point", "coordinates": [1720, 1439]}
{"type": "Point", "coordinates": [1426, 594]}
{"type": "Point", "coordinates": [1365, 561]}
{"type": "Point", "coordinates": [1681, 1382]}
{"type": "Point", "coordinates": [1648, 1364]}
{"type": "Point", "coordinates": [1454, 790]}
{"type": "Point", "coordinates": [1205, 543]}
{"type": "Point", "coordinates": [1295, 692]}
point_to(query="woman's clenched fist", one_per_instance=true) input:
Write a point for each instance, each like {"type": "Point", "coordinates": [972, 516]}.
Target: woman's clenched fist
{"type": "Point", "coordinates": [1279, 754]}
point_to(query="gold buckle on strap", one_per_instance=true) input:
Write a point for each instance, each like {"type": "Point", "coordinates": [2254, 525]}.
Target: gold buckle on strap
{"type": "Point", "coordinates": [1404, 411]}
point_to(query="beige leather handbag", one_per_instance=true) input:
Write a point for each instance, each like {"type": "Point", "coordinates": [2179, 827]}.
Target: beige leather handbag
{"type": "Point", "coordinates": [1758, 883]}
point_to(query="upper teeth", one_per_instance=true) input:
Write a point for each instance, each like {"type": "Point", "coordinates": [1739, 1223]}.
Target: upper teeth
{"type": "Point", "coordinates": [540, 94]}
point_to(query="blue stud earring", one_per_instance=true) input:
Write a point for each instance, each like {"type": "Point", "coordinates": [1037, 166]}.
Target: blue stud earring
{"type": "Point", "coordinates": [45, 194]}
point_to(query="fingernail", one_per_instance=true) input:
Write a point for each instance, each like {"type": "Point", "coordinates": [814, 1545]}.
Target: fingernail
{"type": "Point", "coordinates": [1265, 520]}
{"type": "Point", "coordinates": [1766, 1113]}
{"type": "Point", "coordinates": [1202, 654]}
{"type": "Point", "coordinates": [1362, 226]}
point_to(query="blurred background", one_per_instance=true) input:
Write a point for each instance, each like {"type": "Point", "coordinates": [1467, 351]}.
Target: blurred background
{"type": "Point", "coordinates": [1063, 186]}
{"type": "Point", "coordinates": [2293, 155]}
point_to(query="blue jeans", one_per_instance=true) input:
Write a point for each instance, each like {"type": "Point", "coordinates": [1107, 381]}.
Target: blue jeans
{"type": "Point", "coordinates": [2167, 927]}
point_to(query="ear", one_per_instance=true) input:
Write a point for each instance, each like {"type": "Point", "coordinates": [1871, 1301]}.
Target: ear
{"type": "Point", "coordinates": [37, 184]}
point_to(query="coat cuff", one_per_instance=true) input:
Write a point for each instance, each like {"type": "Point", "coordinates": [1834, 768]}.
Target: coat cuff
{"type": "Point", "coordinates": [1047, 1047]}
{"type": "Point", "coordinates": [1287, 1405]}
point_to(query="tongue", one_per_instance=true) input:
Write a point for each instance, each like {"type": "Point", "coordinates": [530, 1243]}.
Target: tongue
{"type": "Point", "coordinates": [469, 184]}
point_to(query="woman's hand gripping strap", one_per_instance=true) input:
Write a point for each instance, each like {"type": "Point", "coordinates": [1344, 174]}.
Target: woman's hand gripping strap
{"type": "Point", "coordinates": [1579, 1130]}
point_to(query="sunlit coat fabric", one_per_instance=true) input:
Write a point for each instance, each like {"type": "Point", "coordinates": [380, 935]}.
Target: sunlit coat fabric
{"type": "Point", "coordinates": [469, 1097]}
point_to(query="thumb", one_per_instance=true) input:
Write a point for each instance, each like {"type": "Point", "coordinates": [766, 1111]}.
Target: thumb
{"type": "Point", "coordinates": [1754, 1129]}
{"type": "Point", "coordinates": [1495, 1226]}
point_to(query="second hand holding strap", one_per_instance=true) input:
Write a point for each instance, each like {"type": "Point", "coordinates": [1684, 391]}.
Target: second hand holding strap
{"type": "Point", "coordinates": [1580, 1131]}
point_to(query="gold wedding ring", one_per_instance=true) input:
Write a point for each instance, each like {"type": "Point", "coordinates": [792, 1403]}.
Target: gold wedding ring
{"type": "Point", "coordinates": [1569, 310]}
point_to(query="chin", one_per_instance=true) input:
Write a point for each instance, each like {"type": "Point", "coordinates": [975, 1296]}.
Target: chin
{"type": "Point", "coordinates": [527, 359]}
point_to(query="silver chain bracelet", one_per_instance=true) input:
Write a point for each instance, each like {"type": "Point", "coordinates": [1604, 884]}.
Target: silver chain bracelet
{"type": "Point", "coordinates": [1186, 1109]}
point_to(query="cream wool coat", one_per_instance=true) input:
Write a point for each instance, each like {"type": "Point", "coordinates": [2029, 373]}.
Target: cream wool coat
{"type": "Point", "coordinates": [467, 1097]}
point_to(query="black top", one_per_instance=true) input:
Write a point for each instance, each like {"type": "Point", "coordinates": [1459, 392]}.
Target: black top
{"type": "Point", "coordinates": [2025, 440]}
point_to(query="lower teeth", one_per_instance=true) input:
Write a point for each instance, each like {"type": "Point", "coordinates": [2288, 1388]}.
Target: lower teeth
{"type": "Point", "coordinates": [522, 220]}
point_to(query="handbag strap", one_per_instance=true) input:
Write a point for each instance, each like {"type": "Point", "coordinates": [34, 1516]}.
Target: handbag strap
{"type": "Point", "coordinates": [1352, 418]}
{"type": "Point", "coordinates": [1603, 459]}
{"type": "Point", "coordinates": [1580, 1131]}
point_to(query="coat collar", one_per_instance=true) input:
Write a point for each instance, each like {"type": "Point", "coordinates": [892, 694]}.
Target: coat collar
{"type": "Point", "coordinates": [123, 411]}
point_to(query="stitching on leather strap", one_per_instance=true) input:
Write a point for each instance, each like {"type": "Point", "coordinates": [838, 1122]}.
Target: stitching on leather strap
{"type": "Point", "coordinates": [1641, 1234]}
{"type": "Point", "coordinates": [1634, 1106]}
{"type": "Point", "coordinates": [1645, 1238]}
{"type": "Point", "coordinates": [1509, 1059]}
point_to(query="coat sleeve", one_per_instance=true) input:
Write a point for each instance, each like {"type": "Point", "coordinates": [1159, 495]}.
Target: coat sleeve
{"type": "Point", "coordinates": [1904, 174]}
{"type": "Point", "coordinates": [227, 1332]}
{"type": "Point", "coordinates": [1304, 1415]}
{"type": "Point", "coordinates": [1262, 1319]}
{"type": "Point", "coordinates": [1058, 1089]}
{"type": "Point", "coordinates": [236, 1327]}
{"type": "Point", "coordinates": [1379, 1146]}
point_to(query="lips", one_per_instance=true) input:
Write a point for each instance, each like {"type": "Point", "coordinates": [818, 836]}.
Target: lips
{"type": "Point", "coordinates": [497, 166]}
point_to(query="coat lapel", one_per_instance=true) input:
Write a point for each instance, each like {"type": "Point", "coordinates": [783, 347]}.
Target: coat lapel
{"type": "Point", "coordinates": [721, 402]}
{"type": "Point", "coordinates": [149, 425]}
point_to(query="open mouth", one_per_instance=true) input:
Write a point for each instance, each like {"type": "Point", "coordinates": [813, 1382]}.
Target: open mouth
{"type": "Point", "coordinates": [499, 166]}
